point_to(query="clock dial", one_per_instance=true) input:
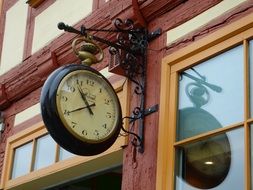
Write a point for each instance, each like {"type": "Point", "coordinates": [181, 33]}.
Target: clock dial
{"type": "Point", "coordinates": [87, 107]}
{"type": "Point", "coordinates": [81, 110]}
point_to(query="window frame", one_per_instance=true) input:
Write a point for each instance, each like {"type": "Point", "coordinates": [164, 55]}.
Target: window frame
{"type": "Point", "coordinates": [63, 170]}
{"type": "Point", "coordinates": [238, 32]}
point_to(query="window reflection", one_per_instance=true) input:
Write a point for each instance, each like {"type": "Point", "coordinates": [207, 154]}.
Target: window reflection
{"type": "Point", "coordinates": [45, 152]}
{"type": "Point", "coordinates": [211, 94]}
{"type": "Point", "coordinates": [22, 160]}
{"type": "Point", "coordinates": [216, 163]}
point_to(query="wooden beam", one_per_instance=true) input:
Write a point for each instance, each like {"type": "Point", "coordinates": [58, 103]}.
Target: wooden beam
{"type": "Point", "coordinates": [34, 3]}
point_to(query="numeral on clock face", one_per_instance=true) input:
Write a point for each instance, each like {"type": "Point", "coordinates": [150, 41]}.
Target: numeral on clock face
{"type": "Point", "coordinates": [84, 132]}
{"type": "Point", "coordinates": [79, 82]}
{"type": "Point", "coordinates": [96, 133]}
{"type": "Point", "coordinates": [64, 98]}
{"type": "Point", "coordinates": [71, 89]}
{"type": "Point", "coordinates": [107, 101]}
{"type": "Point", "coordinates": [90, 82]}
{"type": "Point", "coordinates": [73, 124]}
{"type": "Point", "coordinates": [104, 125]}
{"type": "Point", "coordinates": [66, 112]}
{"type": "Point", "coordinates": [108, 115]}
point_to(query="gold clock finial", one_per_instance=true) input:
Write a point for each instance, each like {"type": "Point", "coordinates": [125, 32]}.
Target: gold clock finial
{"type": "Point", "coordinates": [89, 52]}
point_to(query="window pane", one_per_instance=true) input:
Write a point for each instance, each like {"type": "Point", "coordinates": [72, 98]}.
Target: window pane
{"type": "Point", "coordinates": [45, 152]}
{"type": "Point", "coordinates": [251, 77]}
{"type": "Point", "coordinates": [22, 160]}
{"type": "Point", "coordinates": [64, 154]}
{"type": "Point", "coordinates": [211, 94]}
{"type": "Point", "coordinates": [216, 163]}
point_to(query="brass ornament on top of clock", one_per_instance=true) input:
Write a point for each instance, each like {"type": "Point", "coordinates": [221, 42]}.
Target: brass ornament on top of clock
{"type": "Point", "coordinates": [79, 106]}
{"type": "Point", "coordinates": [89, 52]}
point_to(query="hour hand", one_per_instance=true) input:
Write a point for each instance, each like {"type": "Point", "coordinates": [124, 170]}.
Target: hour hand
{"type": "Point", "coordinates": [85, 100]}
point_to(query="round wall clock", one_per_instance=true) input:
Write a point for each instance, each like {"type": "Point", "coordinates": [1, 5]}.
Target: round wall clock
{"type": "Point", "coordinates": [81, 110]}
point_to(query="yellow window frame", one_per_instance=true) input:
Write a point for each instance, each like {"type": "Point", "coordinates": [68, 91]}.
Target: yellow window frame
{"type": "Point", "coordinates": [238, 32]}
{"type": "Point", "coordinates": [63, 170]}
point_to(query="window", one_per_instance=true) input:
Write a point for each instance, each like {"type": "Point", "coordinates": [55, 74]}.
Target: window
{"type": "Point", "coordinates": [44, 154]}
{"type": "Point", "coordinates": [22, 160]}
{"type": "Point", "coordinates": [206, 115]}
{"type": "Point", "coordinates": [39, 153]}
{"type": "Point", "coordinates": [210, 97]}
{"type": "Point", "coordinates": [215, 163]}
{"type": "Point", "coordinates": [213, 91]}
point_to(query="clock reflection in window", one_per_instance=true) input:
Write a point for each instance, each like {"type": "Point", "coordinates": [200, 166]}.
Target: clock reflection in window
{"type": "Point", "coordinates": [206, 163]}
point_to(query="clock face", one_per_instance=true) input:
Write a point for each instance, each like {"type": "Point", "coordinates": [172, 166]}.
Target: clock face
{"type": "Point", "coordinates": [87, 106]}
{"type": "Point", "coordinates": [81, 110]}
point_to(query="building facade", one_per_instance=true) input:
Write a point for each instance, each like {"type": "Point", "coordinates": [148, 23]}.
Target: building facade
{"type": "Point", "coordinates": [199, 73]}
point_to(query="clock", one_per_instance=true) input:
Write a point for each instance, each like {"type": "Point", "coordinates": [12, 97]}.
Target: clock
{"type": "Point", "coordinates": [81, 110]}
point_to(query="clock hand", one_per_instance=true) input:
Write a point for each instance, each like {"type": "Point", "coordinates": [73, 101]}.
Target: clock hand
{"type": "Point", "coordinates": [85, 99]}
{"type": "Point", "coordinates": [91, 105]}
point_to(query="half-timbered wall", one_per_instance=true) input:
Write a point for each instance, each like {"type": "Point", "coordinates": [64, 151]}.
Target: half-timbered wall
{"type": "Point", "coordinates": [31, 47]}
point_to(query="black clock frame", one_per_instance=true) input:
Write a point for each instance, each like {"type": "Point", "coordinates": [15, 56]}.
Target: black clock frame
{"type": "Point", "coordinates": [54, 124]}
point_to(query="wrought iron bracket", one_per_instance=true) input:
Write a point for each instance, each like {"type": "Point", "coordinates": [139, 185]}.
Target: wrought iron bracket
{"type": "Point", "coordinates": [129, 51]}
{"type": "Point", "coordinates": [145, 113]}
{"type": "Point", "coordinates": [140, 117]}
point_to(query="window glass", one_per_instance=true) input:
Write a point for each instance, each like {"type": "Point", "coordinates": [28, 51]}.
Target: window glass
{"type": "Point", "coordinates": [251, 76]}
{"type": "Point", "coordinates": [64, 154]}
{"type": "Point", "coordinates": [22, 160]}
{"type": "Point", "coordinates": [45, 152]}
{"type": "Point", "coordinates": [211, 94]}
{"type": "Point", "coordinates": [216, 163]}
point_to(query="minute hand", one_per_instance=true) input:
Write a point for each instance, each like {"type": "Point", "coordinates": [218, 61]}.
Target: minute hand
{"type": "Point", "coordinates": [85, 100]}
{"type": "Point", "coordinates": [78, 109]}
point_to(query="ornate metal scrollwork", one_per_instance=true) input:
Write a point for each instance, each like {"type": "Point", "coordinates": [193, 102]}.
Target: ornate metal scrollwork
{"type": "Point", "coordinates": [130, 52]}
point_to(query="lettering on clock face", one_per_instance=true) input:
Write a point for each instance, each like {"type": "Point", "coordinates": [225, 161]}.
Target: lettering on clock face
{"type": "Point", "coordinates": [87, 106]}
